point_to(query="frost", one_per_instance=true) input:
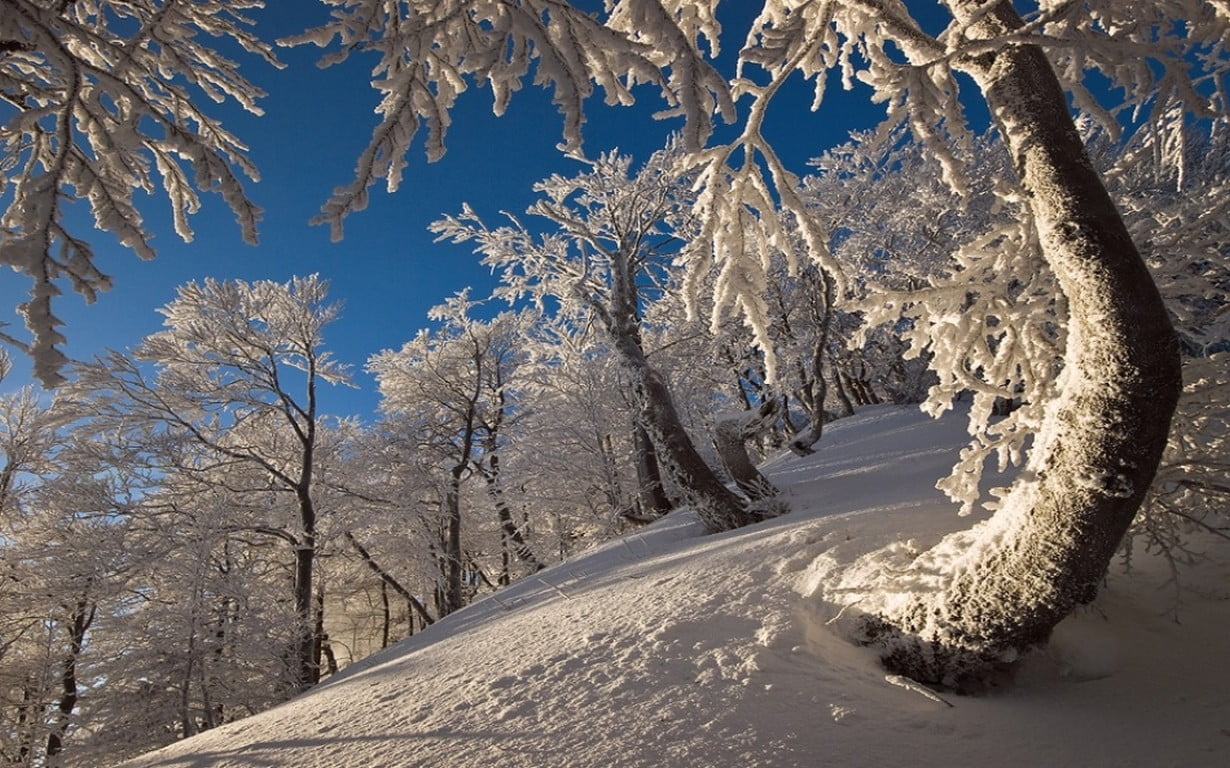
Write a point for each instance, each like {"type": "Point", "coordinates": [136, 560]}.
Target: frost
{"type": "Point", "coordinates": [431, 52]}
{"type": "Point", "coordinates": [100, 98]}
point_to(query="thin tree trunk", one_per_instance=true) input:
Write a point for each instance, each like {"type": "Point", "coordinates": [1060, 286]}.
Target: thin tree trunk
{"type": "Point", "coordinates": [24, 720]}
{"type": "Point", "coordinates": [1052, 541]}
{"type": "Point", "coordinates": [843, 397]}
{"type": "Point", "coordinates": [207, 707]}
{"type": "Point", "coordinates": [186, 721]}
{"type": "Point", "coordinates": [817, 388]}
{"type": "Point", "coordinates": [510, 534]}
{"type": "Point", "coordinates": [322, 649]}
{"type": "Point", "coordinates": [83, 617]}
{"type": "Point", "coordinates": [387, 579]}
{"type": "Point", "coordinates": [386, 614]}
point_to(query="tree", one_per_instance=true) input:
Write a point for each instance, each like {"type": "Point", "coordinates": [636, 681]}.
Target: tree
{"type": "Point", "coordinates": [613, 235]}
{"type": "Point", "coordinates": [62, 557]}
{"type": "Point", "coordinates": [99, 99]}
{"type": "Point", "coordinates": [447, 391]}
{"type": "Point", "coordinates": [585, 452]}
{"type": "Point", "coordinates": [196, 632]}
{"type": "Point", "coordinates": [237, 374]}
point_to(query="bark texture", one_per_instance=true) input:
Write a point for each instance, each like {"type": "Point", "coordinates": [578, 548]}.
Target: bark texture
{"type": "Point", "coordinates": [1049, 547]}
{"type": "Point", "coordinates": [815, 388]}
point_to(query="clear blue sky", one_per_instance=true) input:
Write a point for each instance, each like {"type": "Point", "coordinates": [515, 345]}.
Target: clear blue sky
{"type": "Point", "coordinates": [387, 270]}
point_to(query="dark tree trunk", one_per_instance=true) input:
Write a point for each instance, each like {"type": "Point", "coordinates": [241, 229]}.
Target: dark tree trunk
{"type": "Point", "coordinates": [1101, 440]}
{"type": "Point", "coordinates": [187, 722]}
{"type": "Point", "coordinates": [717, 506]}
{"type": "Point", "coordinates": [651, 491]}
{"type": "Point", "coordinates": [386, 615]}
{"type": "Point", "coordinates": [386, 579]}
{"type": "Point", "coordinates": [511, 537]}
{"type": "Point", "coordinates": [25, 717]}
{"type": "Point", "coordinates": [454, 597]}
{"type": "Point", "coordinates": [859, 387]}
{"type": "Point", "coordinates": [307, 670]}
{"type": "Point", "coordinates": [816, 389]}
{"type": "Point", "coordinates": [83, 617]}
{"type": "Point", "coordinates": [322, 650]}
{"type": "Point", "coordinates": [843, 396]}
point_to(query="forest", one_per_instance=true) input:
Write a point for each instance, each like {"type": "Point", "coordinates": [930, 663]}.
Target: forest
{"type": "Point", "coordinates": [188, 538]}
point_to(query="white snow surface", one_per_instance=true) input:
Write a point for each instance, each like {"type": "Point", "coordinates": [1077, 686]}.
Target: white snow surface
{"type": "Point", "coordinates": [671, 648]}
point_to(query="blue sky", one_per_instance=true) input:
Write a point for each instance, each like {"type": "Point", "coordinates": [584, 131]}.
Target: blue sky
{"type": "Point", "coordinates": [387, 270]}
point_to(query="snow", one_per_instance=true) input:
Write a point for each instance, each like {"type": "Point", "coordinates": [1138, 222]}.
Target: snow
{"type": "Point", "coordinates": [671, 648]}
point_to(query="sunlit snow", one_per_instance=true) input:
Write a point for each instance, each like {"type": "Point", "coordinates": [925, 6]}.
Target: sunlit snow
{"type": "Point", "coordinates": [670, 648]}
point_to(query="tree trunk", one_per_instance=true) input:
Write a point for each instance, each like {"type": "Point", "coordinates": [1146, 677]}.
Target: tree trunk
{"type": "Point", "coordinates": [843, 397]}
{"type": "Point", "coordinates": [816, 388]}
{"type": "Point", "coordinates": [453, 598]}
{"type": "Point", "coordinates": [306, 671]}
{"type": "Point", "coordinates": [651, 491]}
{"type": "Point", "coordinates": [717, 506]}
{"type": "Point", "coordinates": [322, 650]}
{"type": "Point", "coordinates": [187, 722]}
{"type": "Point", "coordinates": [730, 437]}
{"type": "Point", "coordinates": [83, 617]}
{"type": "Point", "coordinates": [511, 537]}
{"type": "Point", "coordinates": [387, 580]}
{"type": "Point", "coordinates": [1049, 546]}
{"type": "Point", "coordinates": [386, 615]}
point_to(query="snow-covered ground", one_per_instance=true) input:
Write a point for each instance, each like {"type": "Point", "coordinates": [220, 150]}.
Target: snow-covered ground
{"type": "Point", "coordinates": [670, 648]}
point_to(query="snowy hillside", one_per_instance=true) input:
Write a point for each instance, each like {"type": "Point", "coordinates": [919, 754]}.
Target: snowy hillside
{"type": "Point", "coordinates": [669, 648]}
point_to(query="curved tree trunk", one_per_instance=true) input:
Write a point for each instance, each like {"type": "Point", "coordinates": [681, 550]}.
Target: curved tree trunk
{"type": "Point", "coordinates": [70, 692]}
{"type": "Point", "coordinates": [718, 507]}
{"type": "Point", "coordinates": [1049, 546]}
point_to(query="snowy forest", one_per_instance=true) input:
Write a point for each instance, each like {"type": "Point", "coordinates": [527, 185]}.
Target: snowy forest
{"type": "Point", "coordinates": [187, 538]}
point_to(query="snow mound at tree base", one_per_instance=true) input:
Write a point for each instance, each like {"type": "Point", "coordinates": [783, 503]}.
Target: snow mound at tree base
{"type": "Point", "coordinates": [670, 648]}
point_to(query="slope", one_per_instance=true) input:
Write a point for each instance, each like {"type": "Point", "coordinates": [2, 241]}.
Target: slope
{"type": "Point", "coordinates": [669, 648]}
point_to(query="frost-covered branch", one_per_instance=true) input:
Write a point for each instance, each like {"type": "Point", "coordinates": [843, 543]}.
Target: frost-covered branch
{"type": "Point", "coordinates": [431, 52]}
{"type": "Point", "coordinates": [99, 99]}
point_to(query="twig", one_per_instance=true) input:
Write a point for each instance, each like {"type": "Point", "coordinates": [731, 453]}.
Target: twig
{"type": "Point", "coordinates": [910, 685]}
